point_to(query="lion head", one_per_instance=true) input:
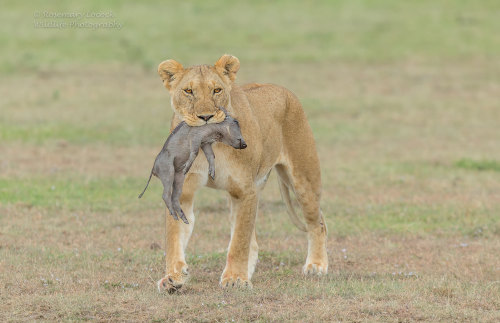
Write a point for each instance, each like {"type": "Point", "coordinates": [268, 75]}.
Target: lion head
{"type": "Point", "coordinates": [198, 92]}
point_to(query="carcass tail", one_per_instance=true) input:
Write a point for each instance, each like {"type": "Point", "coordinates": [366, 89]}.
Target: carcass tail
{"type": "Point", "coordinates": [147, 184]}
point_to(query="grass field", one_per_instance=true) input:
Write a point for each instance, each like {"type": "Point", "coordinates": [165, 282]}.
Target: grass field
{"type": "Point", "coordinates": [403, 99]}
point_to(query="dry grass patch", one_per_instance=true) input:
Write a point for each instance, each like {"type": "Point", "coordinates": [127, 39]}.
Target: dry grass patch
{"type": "Point", "coordinates": [104, 266]}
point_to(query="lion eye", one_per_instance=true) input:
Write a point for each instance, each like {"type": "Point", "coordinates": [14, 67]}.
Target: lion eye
{"type": "Point", "coordinates": [217, 90]}
{"type": "Point", "coordinates": [188, 91]}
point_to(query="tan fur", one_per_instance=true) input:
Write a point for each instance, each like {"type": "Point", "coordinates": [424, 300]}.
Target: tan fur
{"type": "Point", "coordinates": [278, 136]}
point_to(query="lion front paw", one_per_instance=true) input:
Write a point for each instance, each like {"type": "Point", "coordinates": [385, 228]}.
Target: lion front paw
{"type": "Point", "coordinates": [173, 282]}
{"type": "Point", "coordinates": [315, 269]}
{"type": "Point", "coordinates": [230, 281]}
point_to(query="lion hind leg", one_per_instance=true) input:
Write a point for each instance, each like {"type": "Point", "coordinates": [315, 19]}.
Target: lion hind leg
{"type": "Point", "coordinates": [317, 259]}
{"type": "Point", "coordinates": [299, 170]}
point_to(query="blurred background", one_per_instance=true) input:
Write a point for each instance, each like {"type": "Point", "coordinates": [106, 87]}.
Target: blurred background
{"type": "Point", "coordinates": [402, 96]}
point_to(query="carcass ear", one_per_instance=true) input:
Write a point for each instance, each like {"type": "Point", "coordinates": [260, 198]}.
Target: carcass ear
{"type": "Point", "coordinates": [228, 65]}
{"type": "Point", "coordinates": [169, 71]}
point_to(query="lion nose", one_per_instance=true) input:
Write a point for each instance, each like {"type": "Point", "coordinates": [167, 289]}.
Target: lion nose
{"type": "Point", "coordinates": [206, 117]}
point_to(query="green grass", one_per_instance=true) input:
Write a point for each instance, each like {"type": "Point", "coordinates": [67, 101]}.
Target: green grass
{"type": "Point", "coordinates": [111, 194]}
{"type": "Point", "coordinates": [480, 165]}
{"type": "Point", "coordinates": [402, 219]}
{"type": "Point", "coordinates": [52, 132]}
{"type": "Point", "coordinates": [76, 193]}
{"type": "Point", "coordinates": [402, 98]}
{"type": "Point", "coordinates": [359, 31]}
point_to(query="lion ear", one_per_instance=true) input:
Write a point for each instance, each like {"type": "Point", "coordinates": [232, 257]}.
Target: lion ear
{"type": "Point", "coordinates": [169, 70]}
{"type": "Point", "coordinates": [228, 65]}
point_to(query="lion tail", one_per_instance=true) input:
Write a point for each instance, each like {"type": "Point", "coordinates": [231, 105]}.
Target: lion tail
{"type": "Point", "coordinates": [285, 195]}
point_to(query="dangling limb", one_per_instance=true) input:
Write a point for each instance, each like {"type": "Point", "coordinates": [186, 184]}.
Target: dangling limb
{"type": "Point", "coordinates": [167, 180]}
{"type": "Point", "coordinates": [189, 162]}
{"type": "Point", "coordinates": [194, 147]}
{"type": "Point", "coordinates": [178, 183]}
{"type": "Point", "coordinates": [209, 153]}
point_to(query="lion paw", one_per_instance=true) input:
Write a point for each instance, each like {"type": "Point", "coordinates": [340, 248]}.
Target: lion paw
{"type": "Point", "coordinates": [235, 281]}
{"type": "Point", "coordinates": [315, 269]}
{"type": "Point", "coordinates": [173, 282]}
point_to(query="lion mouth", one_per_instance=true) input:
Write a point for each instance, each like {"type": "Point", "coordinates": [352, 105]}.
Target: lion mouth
{"type": "Point", "coordinates": [195, 120]}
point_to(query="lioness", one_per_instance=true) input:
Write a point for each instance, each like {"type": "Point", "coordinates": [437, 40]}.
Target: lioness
{"type": "Point", "coordinates": [277, 135]}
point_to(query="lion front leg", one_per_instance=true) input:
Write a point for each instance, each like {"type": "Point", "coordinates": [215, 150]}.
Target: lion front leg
{"type": "Point", "coordinates": [242, 254]}
{"type": "Point", "coordinates": [177, 238]}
